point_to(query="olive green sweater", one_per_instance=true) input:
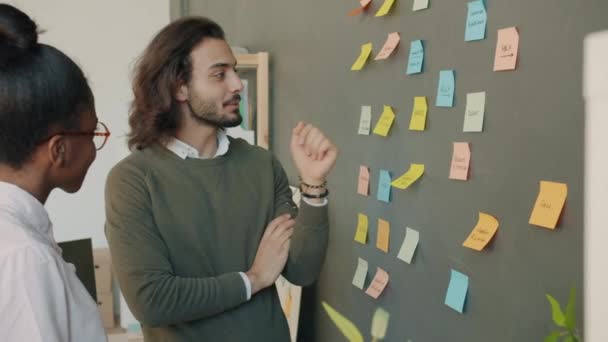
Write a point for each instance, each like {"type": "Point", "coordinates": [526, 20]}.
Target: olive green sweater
{"type": "Point", "coordinates": [180, 230]}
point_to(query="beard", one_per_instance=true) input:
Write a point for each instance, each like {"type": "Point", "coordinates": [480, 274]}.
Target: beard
{"type": "Point", "coordinates": [205, 111]}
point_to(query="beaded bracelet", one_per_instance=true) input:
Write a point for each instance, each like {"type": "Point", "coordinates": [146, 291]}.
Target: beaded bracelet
{"type": "Point", "coordinates": [324, 184]}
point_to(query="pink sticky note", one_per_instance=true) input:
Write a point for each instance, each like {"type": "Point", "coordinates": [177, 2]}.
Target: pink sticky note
{"type": "Point", "coordinates": [391, 43]}
{"type": "Point", "coordinates": [378, 284]}
{"type": "Point", "coordinates": [507, 46]}
{"type": "Point", "coordinates": [461, 159]}
{"type": "Point", "coordinates": [363, 187]}
{"type": "Point", "coordinates": [364, 4]}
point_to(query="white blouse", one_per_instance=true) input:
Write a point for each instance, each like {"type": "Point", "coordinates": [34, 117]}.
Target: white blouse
{"type": "Point", "coordinates": [41, 298]}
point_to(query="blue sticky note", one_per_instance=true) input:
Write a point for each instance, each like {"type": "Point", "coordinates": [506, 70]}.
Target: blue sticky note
{"type": "Point", "coordinates": [476, 21]}
{"type": "Point", "coordinates": [416, 59]}
{"type": "Point", "coordinates": [445, 89]}
{"type": "Point", "coordinates": [384, 186]}
{"type": "Point", "coordinates": [457, 291]}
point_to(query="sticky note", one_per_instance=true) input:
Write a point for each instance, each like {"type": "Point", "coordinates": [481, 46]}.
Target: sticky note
{"type": "Point", "coordinates": [365, 122]}
{"type": "Point", "coordinates": [361, 233]}
{"type": "Point", "coordinates": [366, 50]}
{"type": "Point", "coordinates": [415, 171]}
{"type": "Point", "coordinates": [364, 4]}
{"type": "Point", "coordinates": [507, 48]}
{"type": "Point", "coordinates": [445, 89]}
{"type": "Point", "coordinates": [476, 21]}
{"type": "Point", "coordinates": [457, 291]}
{"type": "Point", "coordinates": [474, 112]}
{"type": "Point", "coordinates": [549, 204]}
{"type": "Point", "coordinates": [384, 232]}
{"type": "Point", "coordinates": [363, 186]}
{"type": "Point", "coordinates": [385, 8]}
{"type": "Point", "coordinates": [348, 329]}
{"type": "Point", "coordinates": [389, 46]}
{"type": "Point", "coordinates": [416, 57]}
{"type": "Point", "coordinates": [380, 324]}
{"type": "Point", "coordinates": [384, 186]}
{"type": "Point", "coordinates": [418, 120]}
{"type": "Point", "coordinates": [483, 232]}
{"type": "Point", "coordinates": [461, 159]}
{"type": "Point", "coordinates": [406, 253]}
{"type": "Point", "coordinates": [360, 274]}
{"type": "Point", "coordinates": [378, 283]}
{"type": "Point", "coordinates": [420, 5]}
{"type": "Point", "coordinates": [383, 126]}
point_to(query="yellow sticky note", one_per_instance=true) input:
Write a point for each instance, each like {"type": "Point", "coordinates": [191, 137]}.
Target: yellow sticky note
{"type": "Point", "coordinates": [378, 283]}
{"type": "Point", "coordinates": [380, 324]}
{"type": "Point", "coordinates": [361, 234]}
{"type": "Point", "coordinates": [366, 50]}
{"type": "Point", "coordinates": [348, 329]}
{"type": "Point", "coordinates": [385, 8]}
{"type": "Point", "coordinates": [408, 178]}
{"type": "Point", "coordinates": [549, 204]}
{"type": "Point", "coordinates": [383, 126]}
{"type": "Point", "coordinates": [391, 44]}
{"type": "Point", "coordinates": [483, 232]}
{"type": "Point", "coordinates": [384, 232]}
{"type": "Point", "coordinates": [418, 120]}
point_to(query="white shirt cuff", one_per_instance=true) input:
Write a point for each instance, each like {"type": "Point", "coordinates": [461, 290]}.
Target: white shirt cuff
{"type": "Point", "coordinates": [312, 204]}
{"type": "Point", "coordinates": [247, 284]}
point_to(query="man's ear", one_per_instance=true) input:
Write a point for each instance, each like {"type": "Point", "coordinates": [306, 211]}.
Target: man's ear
{"type": "Point", "coordinates": [182, 94]}
{"type": "Point", "coordinates": [57, 150]}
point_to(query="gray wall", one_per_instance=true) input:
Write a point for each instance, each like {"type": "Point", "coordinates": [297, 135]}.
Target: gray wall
{"type": "Point", "coordinates": [533, 131]}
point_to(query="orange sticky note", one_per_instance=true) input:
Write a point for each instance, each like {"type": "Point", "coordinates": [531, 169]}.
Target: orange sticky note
{"type": "Point", "coordinates": [361, 233]}
{"type": "Point", "coordinates": [483, 232]}
{"type": "Point", "coordinates": [461, 159]}
{"type": "Point", "coordinates": [391, 43]}
{"type": "Point", "coordinates": [507, 47]}
{"type": "Point", "coordinates": [549, 204]}
{"type": "Point", "coordinates": [378, 284]}
{"type": "Point", "coordinates": [384, 232]}
{"type": "Point", "coordinates": [364, 4]}
{"type": "Point", "coordinates": [363, 186]}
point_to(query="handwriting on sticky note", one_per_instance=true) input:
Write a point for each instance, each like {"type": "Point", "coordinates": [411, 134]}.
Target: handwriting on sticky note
{"type": "Point", "coordinates": [384, 232]}
{"type": "Point", "coordinates": [476, 21]}
{"type": "Point", "coordinates": [445, 89]}
{"type": "Point", "coordinates": [420, 5]}
{"type": "Point", "coordinates": [389, 46]}
{"type": "Point", "coordinates": [549, 204]}
{"type": "Point", "coordinates": [474, 112]}
{"type": "Point", "coordinates": [385, 8]}
{"type": "Point", "coordinates": [365, 122]}
{"type": "Point", "coordinates": [384, 186]}
{"type": "Point", "coordinates": [457, 290]}
{"type": "Point", "coordinates": [364, 4]}
{"type": "Point", "coordinates": [413, 174]}
{"type": "Point", "coordinates": [416, 57]}
{"type": "Point", "coordinates": [360, 274]}
{"type": "Point", "coordinates": [461, 159]}
{"type": "Point", "coordinates": [348, 329]}
{"type": "Point", "coordinates": [366, 50]}
{"type": "Point", "coordinates": [507, 48]}
{"type": "Point", "coordinates": [378, 284]}
{"type": "Point", "coordinates": [406, 253]}
{"type": "Point", "coordinates": [483, 232]}
{"type": "Point", "coordinates": [418, 120]}
{"type": "Point", "coordinates": [362, 226]}
{"type": "Point", "coordinates": [380, 324]}
{"type": "Point", "coordinates": [383, 126]}
{"type": "Point", "coordinates": [363, 186]}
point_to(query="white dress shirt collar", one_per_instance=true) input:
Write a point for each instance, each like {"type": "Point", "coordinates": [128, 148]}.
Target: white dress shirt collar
{"type": "Point", "coordinates": [184, 150]}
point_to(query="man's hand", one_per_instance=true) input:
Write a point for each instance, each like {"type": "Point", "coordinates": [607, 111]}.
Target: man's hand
{"type": "Point", "coordinates": [272, 253]}
{"type": "Point", "coordinates": [313, 153]}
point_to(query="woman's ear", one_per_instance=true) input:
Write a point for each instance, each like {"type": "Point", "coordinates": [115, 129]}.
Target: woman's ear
{"type": "Point", "coordinates": [57, 150]}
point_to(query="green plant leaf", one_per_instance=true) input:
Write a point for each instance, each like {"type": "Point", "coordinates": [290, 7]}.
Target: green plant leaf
{"type": "Point", "coordinates": [553, 336]}
{"type": "Point", "coordinates": [556, 312]}
{"type": "Point", "coordinates": [570, 338]}
{"type": "Point", "coordinates": [570, 319]}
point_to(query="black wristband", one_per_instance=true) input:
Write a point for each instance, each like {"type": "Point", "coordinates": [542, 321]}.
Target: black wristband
{"type": "Point", "coordinates": [323, 195]}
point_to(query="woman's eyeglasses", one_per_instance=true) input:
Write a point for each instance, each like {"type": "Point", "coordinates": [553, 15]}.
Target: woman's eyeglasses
{"type": "Point", "coordinates": [100, 135]}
